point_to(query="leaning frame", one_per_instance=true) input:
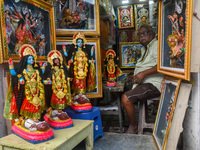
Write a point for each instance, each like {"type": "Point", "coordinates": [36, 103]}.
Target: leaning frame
{"type": "Point", "coordinates": [98, 93]}
{"type": "Point", "coordinates": [169, 93]}
{"type": "Point", "coordinates": [174, 38]}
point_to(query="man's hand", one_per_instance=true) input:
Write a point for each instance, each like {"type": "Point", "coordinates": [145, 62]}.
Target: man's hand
{"type": "Point", "coordinates": [139, 77]}
{"type": "Point", "coordinates": [130, 75]}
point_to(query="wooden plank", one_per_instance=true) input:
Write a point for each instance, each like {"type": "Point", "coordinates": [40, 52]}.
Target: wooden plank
{"type": "Point", "coordinates": [179, 114]}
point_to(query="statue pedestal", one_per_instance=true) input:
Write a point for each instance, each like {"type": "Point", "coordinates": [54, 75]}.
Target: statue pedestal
{"type": "Point", "coordinates": [32, 137]}
{"type": "Point", "coordinates": [58, 124]}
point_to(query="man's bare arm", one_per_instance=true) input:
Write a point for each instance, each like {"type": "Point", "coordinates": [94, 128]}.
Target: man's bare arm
{"type": "Point", "coordinates": [141, 75]}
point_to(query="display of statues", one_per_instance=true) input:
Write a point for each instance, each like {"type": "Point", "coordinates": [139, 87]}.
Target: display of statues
{"type": "Point", "coordinates": [25, 101]}
{"type": "Point", "coordinates": [38, 95]}
{"type": "Point", "coordinates": [111, 69]}
{"type": "Point", "coordinates": [80, 59]}
{"type": "Point", "coordinates": [59, 93]}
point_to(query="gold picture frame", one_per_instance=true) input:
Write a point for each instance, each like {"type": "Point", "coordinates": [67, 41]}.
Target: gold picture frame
{"type": "Point", "coordinates": [97, 57]}
{"type": "Point", "coordinates": [125, 16]}
{"type": "Point", "coordinates": [167, 104]}
{"type": "Point", "coordinates": [129, 53]}
{"type": "Point", "coordinates": [26, 22]}
{"type": "Point", "coordinates": [174, 38]}
{"type": "Point", "coordinates": [81, 16]}
{"type": "Point", "coordinates": [141, 14]}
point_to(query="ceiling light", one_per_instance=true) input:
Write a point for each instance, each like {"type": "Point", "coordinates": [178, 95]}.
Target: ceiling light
{"type": "Point", "coordinates": [124, 2]}
{"type": "Point", "coordinates": [142, 0]}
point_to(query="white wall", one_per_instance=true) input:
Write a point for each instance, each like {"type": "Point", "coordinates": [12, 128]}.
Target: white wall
{"type": "Point", "coordinates": [192, 121]}
{"type": "Point", "coordinates": [191, 137]}
{"type": "Point", "coordinates": [3, 129]}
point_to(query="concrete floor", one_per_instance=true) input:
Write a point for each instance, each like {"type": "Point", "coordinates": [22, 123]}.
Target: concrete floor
{"type": "Point", "coordinates": [114, 140]}
{"type": "Point", "coordinates": [117, 141]}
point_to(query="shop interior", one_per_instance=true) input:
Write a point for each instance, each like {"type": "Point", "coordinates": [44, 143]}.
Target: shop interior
{"type": "Point", "coordinates": [83, 54]}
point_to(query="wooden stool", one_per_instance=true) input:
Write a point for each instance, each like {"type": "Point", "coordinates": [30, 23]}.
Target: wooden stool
{"type": "Point", "coordinates": [143, 112]}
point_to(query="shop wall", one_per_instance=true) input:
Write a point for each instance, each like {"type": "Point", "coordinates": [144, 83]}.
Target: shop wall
{"type": "Point", "coordinates": [3, 129]}
{"type": "Point", "coordinates": [195, 61]}
{"type": "Point", "coordinates": [191, 125]}
{"type": "Point", "coordinates": [192, 118]}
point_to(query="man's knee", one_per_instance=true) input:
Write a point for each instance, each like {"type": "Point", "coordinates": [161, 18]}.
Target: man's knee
{"type": "Point", "coordinates": [125, 99]}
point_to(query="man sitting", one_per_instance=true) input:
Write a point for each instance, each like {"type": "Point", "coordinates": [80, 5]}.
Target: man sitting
{"type": "Point", "coordinates": [147, 82]}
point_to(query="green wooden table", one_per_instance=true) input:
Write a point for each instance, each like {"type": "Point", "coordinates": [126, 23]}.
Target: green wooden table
{"type": "Point", "coordinates": [64, 139]}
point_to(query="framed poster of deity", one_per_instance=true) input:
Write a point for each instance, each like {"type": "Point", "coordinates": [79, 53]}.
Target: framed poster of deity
{"type": "Point", "coordinates": [129, 53]}
{"type": "Point", "coordinates": [125, 16]}
{"type": "Point", "coordinates": [123, 35]}
{"type": "Point", "coordinates": [90, 58]}
{"type": "Point", "coordinates": [167, 105]}
{"type": "Point", "coordinates": [174, 38]}
{"type": "Point", "coordinates": [141, 14]}
{"type": "Point", "coordinates": [26, 22]}
{"type": "Point", "coordinates": [73, 16]}
{"type": "Point", "coordinates": [134, 36]}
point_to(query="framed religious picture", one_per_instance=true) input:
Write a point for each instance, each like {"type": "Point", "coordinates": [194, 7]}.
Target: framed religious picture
{"type": "Point", "coordinates": [123, 35]}
{"type": "Point", "coordinates": [129, 53]}
{"type": "Point", "coordinates": [141, 14]}
{"type": "Point", "coordinates": [26, 22]}
{"type": "Point", "coordinates": [174, 38]}
{"type": "Point", "coordinates": [169, 92]}
{"type": "Point", "coordinates": [73, 16]}
{"type": "Point", "coordinates": [133, 36]}
{"type": "Point", "coordinates": [96, 58]}
{"type": "Point", "coordinates": [125, 16]}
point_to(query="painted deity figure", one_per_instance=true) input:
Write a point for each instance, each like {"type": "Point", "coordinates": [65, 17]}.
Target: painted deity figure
{"type": "Point", "coordinates": [23, 32]}
{"type": "Point", "coordinates": [82, 65]}
{"type": "Point", "coordinates": [111, 69]}
{"type": "Point", "coordinates": [25, 101]}
{"type": "Point", "coordinates": [176, 39]}
{"type": "Point", "coordinates": [8, 21]}
{"type": "Point", "coordinates": [82, 14]}
{"type": "Point", "coordinates": [42, 46]}
{"type": "Point", "coordinates": [59, 93]}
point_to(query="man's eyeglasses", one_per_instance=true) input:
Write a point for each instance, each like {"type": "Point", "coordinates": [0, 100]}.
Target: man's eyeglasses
{"type": "Point", "coordinates": [143, 33]}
